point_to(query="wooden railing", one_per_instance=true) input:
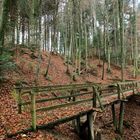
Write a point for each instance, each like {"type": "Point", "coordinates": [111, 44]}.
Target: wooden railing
{"type": "Point", "coordinates": [95, 95]}
{"type": "Point", "coordinates": [70, 94]}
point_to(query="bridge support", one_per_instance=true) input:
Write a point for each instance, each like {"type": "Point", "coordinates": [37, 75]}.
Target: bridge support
{"type": "Point", "coordinates": [118, 125]}
{"type": "Point", "coordinates": [78, 125]}
{"type": "Point", "coordinates": [86, 130]}
{"type": "Point", "coordinates": [90, 126]}
{"type": "Point", "coordinates": [121, 117]}
{"type": "Point", "coordinates": [114, 116]}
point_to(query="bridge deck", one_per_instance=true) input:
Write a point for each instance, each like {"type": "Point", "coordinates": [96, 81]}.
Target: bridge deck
{"type": "Point", "coordinates": [66, 102]}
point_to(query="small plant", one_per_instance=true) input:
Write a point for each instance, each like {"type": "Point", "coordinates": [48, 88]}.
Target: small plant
{"type": "Point", "coordinates": [14, 94]}
{"type": "Point", "coordinates": [74, 76]}
{"type": "Point", "coordinates": [31, 67]}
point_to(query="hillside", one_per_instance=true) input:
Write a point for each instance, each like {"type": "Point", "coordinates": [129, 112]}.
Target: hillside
{"type": "Point", "coordinates": [27, 63]}
{"type": "Point", "coordinates": [25, 74]}
{"type": "Point", "coordinates": [75, 62]}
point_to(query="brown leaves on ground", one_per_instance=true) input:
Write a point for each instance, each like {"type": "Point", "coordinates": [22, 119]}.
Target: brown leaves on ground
{"type": "Point", "coordinates": [11, 122]}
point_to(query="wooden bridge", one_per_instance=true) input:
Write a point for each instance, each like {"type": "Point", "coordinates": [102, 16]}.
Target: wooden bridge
{"type": "Point", "coordinates": [82, 99]}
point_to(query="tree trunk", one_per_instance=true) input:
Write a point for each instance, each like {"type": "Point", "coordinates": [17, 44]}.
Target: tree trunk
{"type": "Point", "coordinates": [3, 24]}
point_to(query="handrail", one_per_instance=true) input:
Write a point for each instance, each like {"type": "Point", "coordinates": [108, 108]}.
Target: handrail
{"type": "Point", "coordinates": [98, 93]}
{"type": "Point", "coordinates": [50, 87]}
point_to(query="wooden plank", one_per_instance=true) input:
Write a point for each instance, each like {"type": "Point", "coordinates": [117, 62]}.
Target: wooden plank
{"type": "Point", "coordinates": [65, 119]}
{"type": "Point", "coordinates": [63, 105]}
{"type": "Point", "coordinates": [124, 83]}
{"type": "Point", "coordinates": [110, 99]}
{"type": "Point", "coordinates": [57, 98]}
{"type": "Point", "coordinates": [58, 87]}
{"type": "Point", "coordinates": [54, 123]}
{"type": "Point", "coordinates": [61, 88]}
{"type": "Point", "coordinates": [109, 94]}
{"type": "Point", "coordinates": [55, 87]}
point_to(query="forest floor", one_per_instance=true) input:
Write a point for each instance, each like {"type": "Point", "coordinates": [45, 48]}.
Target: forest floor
{"type": "Point", "coordinates": [11, 121]}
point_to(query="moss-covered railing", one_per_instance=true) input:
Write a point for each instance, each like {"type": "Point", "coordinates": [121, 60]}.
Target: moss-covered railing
{"type": "Point", "coordinates": [95, 95]}
{"type": "Point", "coordinates": [72, 94]}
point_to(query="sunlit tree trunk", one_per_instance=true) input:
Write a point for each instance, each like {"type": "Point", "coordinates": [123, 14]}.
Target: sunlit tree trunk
{"type": "Point", "coordinates": [135, 40]}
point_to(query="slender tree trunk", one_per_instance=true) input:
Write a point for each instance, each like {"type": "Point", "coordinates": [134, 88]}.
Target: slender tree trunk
{"type": "Point", "coordinates": [28, 33]}
{"type": "Point", "coordinates": [3, 24]}
{"type": "Point", "coordinates": [121, 13]}
{"type": "Point", "coordinates": [45, 33]}
{"type": "Point", "coordinates": [23, 30]}
{"type": "Point", "coordinates": [135, 40]}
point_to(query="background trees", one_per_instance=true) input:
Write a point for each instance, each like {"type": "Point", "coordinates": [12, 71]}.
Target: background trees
{"type": "Point", "coordinates": [77, 29]}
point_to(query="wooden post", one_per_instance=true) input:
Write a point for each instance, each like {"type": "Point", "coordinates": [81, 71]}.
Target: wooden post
{"type": "Point", "coordinates": [90, 126]}
{"type": "Point", "coordinates": [121, 117]}
{"type": "Point", "coordinates": [119, 92]}
{"type": "Point", "coordinates": [33, 110]}
{"type": "Point", "coordinates": [99, 100]}
{"type": "Point", "coordinates": [74, 122]}
{"type": "Point", "coordinates": [114, 116]}
{"type": "Point", "coordinates": [94, 97]}
{"type": "Point", "coordinates": [19, 100]}
{"type": "Point", "coordinates": [133, 88]}
{"type": "Point", "coordinates": [74, 98]}
{"type": "Point", "coordinates": [78, 125]}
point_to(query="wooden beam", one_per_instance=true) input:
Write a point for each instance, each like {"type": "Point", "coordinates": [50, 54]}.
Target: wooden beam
{"type": "Point", "coordinates": [78, 125]}
{"type": "Point", "coordinates": [121, 117]}
{"type": "Point", "coordinates": [33, 110]}
{"type": "Point", "coordinates": [90, 126]}
{"type": "Point", "coordinates": [56, 98]}
{"type": "Point", "coordinates": [63, 105]}
{"type": "Point", "coordinates": [98, 98]}
{"type": "Point", "coordinates": [59, 87]}
{"type": "Point", "coordinates": [54, 123]}
{"type": "Point", "coordinates": [94, 97]}
{"type": "Point", "coordinates": [114, 116]}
